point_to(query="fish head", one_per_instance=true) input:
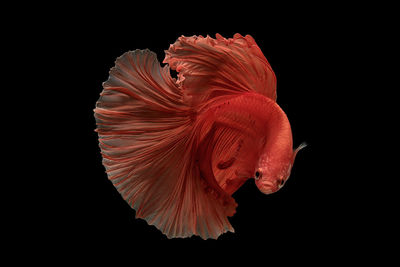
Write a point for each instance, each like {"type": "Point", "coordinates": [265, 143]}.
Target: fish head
{"type": "Point", "coordinates": [269, 180]}
{"type": "Point", "coordinates": [272, 172]}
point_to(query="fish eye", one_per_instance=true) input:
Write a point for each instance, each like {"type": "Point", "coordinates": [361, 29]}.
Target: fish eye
{"type": "Point", "coordinates": [257, 175]}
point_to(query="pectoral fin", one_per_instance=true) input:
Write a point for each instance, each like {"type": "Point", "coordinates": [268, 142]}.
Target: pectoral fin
{"type": "Point", "coordinates": [226, 164]}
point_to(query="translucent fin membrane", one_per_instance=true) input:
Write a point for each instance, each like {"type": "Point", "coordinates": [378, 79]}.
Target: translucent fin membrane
{"type": "Point", "coordinates": [148, 146]}
{"type": "Point", "coordinates": [210, 67]}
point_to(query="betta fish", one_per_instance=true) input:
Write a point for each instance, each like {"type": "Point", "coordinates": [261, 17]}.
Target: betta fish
{"type": "Point", "coordinates": [176, 149]}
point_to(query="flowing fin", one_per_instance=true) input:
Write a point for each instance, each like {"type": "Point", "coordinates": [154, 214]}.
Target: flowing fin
{"type": "Point", "coordinates": [148, 147]}
{"type": "Point", "coordinates": [204, 158]}
{"type": "Point", "coordinates": [212, 67]}
{"type": "Point", "coordinates": [233, 144]}
{"type": "Point", "coordinates": [300, 147]}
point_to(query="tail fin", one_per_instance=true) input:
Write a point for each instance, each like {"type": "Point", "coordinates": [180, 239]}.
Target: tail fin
{"type": "Point", "coordinates": [148, 147]}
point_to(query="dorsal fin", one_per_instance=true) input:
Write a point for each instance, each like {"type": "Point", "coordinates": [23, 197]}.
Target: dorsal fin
{"type": "Point", "coordinates": [210, 67]}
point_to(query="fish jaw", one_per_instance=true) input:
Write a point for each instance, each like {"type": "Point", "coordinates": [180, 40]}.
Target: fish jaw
{"type": "Point", "coordinates": [267, 187]}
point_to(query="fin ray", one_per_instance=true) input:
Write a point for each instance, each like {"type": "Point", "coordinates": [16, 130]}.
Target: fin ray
{"type": "Point", "coordinates": [207, 67]}
{"type": "Point", "coordinates": [147, 143]}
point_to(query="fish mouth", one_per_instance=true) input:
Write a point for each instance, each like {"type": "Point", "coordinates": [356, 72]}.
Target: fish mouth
{"type": "Point", "coordinates": [267, 187]}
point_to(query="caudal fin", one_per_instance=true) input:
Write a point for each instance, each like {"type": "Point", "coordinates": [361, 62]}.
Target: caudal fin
{"type": "Point", "coordinates": [148, 147]}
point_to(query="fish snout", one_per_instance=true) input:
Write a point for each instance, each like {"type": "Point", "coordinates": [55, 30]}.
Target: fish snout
{"type": "Point", "coordinates": [267, 187]}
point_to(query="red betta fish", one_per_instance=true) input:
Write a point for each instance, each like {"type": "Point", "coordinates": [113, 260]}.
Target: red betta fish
{"type": "Point", "coordinates": [177, 149]}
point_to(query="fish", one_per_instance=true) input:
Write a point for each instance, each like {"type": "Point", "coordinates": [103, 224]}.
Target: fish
{"type": "Point", "coordinates": [177, 148]}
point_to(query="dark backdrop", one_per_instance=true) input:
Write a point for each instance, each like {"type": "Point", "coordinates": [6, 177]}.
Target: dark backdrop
{"type": "Point", "coordinates": [302, 50]}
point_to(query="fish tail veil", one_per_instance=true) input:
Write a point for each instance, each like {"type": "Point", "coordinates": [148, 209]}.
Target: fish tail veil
{"type": "Point", "coordinates": [148, 146]}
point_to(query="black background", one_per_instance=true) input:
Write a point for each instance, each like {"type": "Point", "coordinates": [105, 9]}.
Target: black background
{"type": "Point", "coordinates": [311, 213]}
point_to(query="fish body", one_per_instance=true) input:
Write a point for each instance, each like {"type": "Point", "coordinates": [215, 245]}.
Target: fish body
{"type": "Point", "coordinates": [177, 149]}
